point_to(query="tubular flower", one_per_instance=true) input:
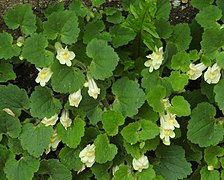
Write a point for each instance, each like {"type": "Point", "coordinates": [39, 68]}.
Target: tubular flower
{"type": "Point", "coordinates": [65, 120]}
{"type": "Point", "coordinates": [54, 141]}
{"type": "Point", "coordinates": [20, 41]}
{"type": "Point", "coordinates": [166, 103]}
{"type": "Point", "coordinates": [166, 134]}
{"type": "Point", "coordinates": [64, 55]}
{"type": "Point", "coordinates": [213, 74]}
{"type": "Point", "coordinates": [75, 98]}
{"type": "Point", "coordinates": [50, 121]}
{"type": "Point", "coordinates": [155, 59]}
{"type": "Point", "coordinates": [195, 71]}
{"type": "Point", "coordinates": [93, 91]}
{"type": "Point", "coordinates": [168, 121]}
{"type": "Point", "coordinates": [141, 163]}
{"type": "Point", "coordinates": [44, 76]}
{"type": "Point", "coordinates": [87, 155]}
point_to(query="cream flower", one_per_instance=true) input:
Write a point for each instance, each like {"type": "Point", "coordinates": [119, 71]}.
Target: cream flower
{"type": "Point", "coordinates": [93, 90]}
{"type": "Point", "coordinates": [195, 71]}
{"type": "Point", "coordinates": [141, 163]}
{"type": "Point", "coordinates": [168, 121]}
{"type": "Point", "coordinates": [44, 76]}
{"type": "Point", "coordinates": [166, 103]}
{"type": "Point", "coordinates": [212, 74]}
{"type": "Point", "coordinates": [87, 155]}
{"type": "Point", "coordinates": [20, 41]}
{"type": "Point", "coordinates": [155, 59]}
{"type": "Point", "coordinates": [75, 98]}
{"type": "Point", "coordinates": [50, 121]}
{"type": "Point", "coordinates": [65, 120]}
{"type": "Point", "coordinates": [166, 134]}
{"type": "Point", "coordinates": [64, 55]}
{"type": "Point", "coordinates": [54, 141]}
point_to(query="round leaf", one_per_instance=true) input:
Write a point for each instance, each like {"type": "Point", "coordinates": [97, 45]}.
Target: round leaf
{"type": "Point", "coordinates": [104, 150]}
{"type": "Point", "coordinates": [202, 128]}
{"type": "Point", "coordinates": [34, 51]}
{"type": "Point", "coordinates": [6, 72]}
{"type": "Point", "coordinates": [104, 59]}
{"type": "Point", "coordinates": [43, 104]}
{"type": "Point", "coordinates": [111, 120]}
{"type": "Point", "coordinates": [35, 139]}
{"type": "Point", "coordinates": [66, 79]}
{"type": "Point", "coordinates": [72, 136]}
{"type": "Point", "coordinates": [129, 97]}
{"type": "Point", "coordinates": [63, 24]}
{"type": "Point", "coordinates": [218, 89]}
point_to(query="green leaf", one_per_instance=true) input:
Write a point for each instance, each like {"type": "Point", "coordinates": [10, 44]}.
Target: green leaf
{"type": "Point", "coordinates": [104, 150]}
{"type": "Point", "coordinates": [172, 164]}
{"type": "Point", "coordinates": [148, 174]}
{"type": "Point", "coordinates": [97, 3]}
{"type": "Point", "coordinates": [93, 30]}
{"type": "Point", "coordinates": [35, 52]}
{"type": "Point", "coordinates": [121, 35]}
{"type": "Point", "coordinates": [219, 59]}
{"type": "Point", "coordinates": [79, 8]}
{"type": "Point", "coordinates": [150, 80]}
{"type": "Point", "coordinates": [6, 72]}
{"type": "Point", "coordinates": [72, 79]}
{"type": "Point", "coordinates": [71, 163]}
{"type": "Point", "coordinates": [7, 49]}
{"type": "Point", "coordinates": [181, 61]}
{"type": "Point", "coordinates": [4, 156]}
{"type": "Point", "coordinates": [202, 128]}
{"type": "Point", "coordinates": [9, 125]}
{"type": "Point", "coordinates": [55, 169]}
{"type": "Point", "coordinates": [200, 4]}
{"type": "Point", "coordinates": [105, 59]}
{"type": "Point", "coordinates": [35, 139]}
{"type": "Point", "coordinates": [163, 10]}
{"type": "Point", "coordinates": [111, 120]}
{"type": "Point", "coordinates": [211, 155]}
{"type": "Point", "coordinates": [15, 146]}
{"type": "Point", "coordinates": [155, 96]}
{"type": "Point", "coordinates": [140, 131]}
{"type": "Point", "coordinates": [141, 20]}
{"type": "Point", "coordinates": [205, 19]}
{"type": "Point", "coordinates": [21, 16]}
{"type": "Point", "coordinates": [115, 18]}
{"type": "Point", "coordinates": [180, 31]}
{"type": "Point", "coordinates": [23, 169]}
{"type": "Point", "coordinates": [62, 24]}
{"type": "Point", "coordinates": [209, 175]}
{"type": "Point", "coordinates": [101, 171]}
{"type": "Point", "coordinates": [180, 106]}
{"type": "Point", "coordinates": [212, 40]}
{"type": "Point", "coordinates": [54, 8]}
{"type": "Point", "coordinates": [43, 104]}
{"type": "Point", "coordinates": [13, 98]}
{"type": "Point", "coordinates": [218, 90]}
{"type": "Point", "coordinates": [178, 80]}
{"type": "Point", "coordinates": [129, 97]}
{"type": "Point", "coordinates": [123, 173]}
{"type": "Point", "coordinates": [164, 29]}
{"type": "Point", "coordinates": [72, 136]}
{"type": "Point", "coordinates": [220, 5]}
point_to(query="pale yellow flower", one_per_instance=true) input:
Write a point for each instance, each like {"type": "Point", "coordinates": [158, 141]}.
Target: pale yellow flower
{"type": "Point", "coordinates": [155, 59]}
{"type": "Point", "coordinates": [44, 76]}
{"type": "Point", "coordinates": [65, 120]}
{"type": "Point", "coordinates": [87, 155]}
{"type": "Point", "coordinates": [50, 121]}
{"type": "Point", "coordinates": [195, 71]}
{"type": "Point", "coordinates": [75, 98]}
{"type": "Point", "coordinates": [54, 141]}
{"type": "Point", "coordinates": [141, 163]}
{"type": "Point", "coordinates": [64, 55]}
{"type": "Point", "coordinates": [212, 74]}
{"type": "Point", "coordinates": [93, 90]}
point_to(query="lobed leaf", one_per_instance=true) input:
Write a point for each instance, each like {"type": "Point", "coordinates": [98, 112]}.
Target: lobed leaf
{"type": "Point", "coordinates": [202, 128]}
{"type": "Point", "coordinates": [218, 90]}
{"type": "Point", "coordinates": [6, 72]}
{"type": "Point", "coordinates": [104, 59]}
{"type": "Point", "coordinates": [43, 104]}
{"type": "Point", "coordinates": [35, 139]}
{"type": "Point", "coordinates": [129, 97]}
